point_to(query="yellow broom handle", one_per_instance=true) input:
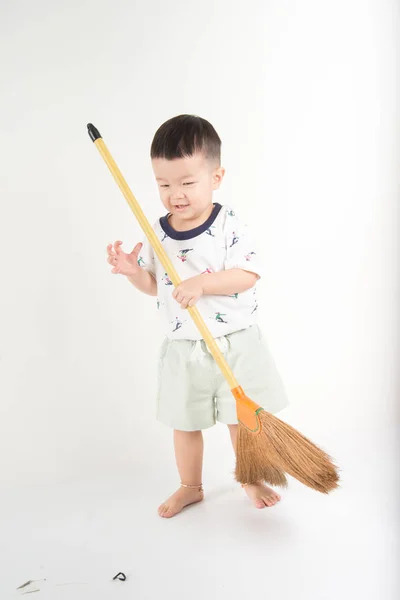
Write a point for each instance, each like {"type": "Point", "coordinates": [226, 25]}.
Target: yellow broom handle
{"type": "Point", "coordinates": [159, 250]}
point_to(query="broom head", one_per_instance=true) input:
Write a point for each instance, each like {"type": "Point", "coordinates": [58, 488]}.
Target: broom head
{"type": "Point", "coordinates": [267, 448]}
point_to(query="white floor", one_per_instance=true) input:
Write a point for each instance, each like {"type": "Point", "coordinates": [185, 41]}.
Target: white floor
{"type": "Point", "coordinates": [78, 535]}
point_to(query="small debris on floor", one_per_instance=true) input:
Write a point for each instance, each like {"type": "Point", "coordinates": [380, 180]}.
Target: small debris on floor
{"type": "Point", "coordinates": [29, 587]}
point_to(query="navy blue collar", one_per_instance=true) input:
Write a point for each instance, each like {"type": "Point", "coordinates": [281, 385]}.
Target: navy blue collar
{"type": "Point", "coordinates": [191, 233]}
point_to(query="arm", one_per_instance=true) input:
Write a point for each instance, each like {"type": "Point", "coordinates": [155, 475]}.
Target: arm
{"type": "Point", "coordinates": [226, 283]}
{"type": "Point", "coordinates": [223, 283]}
{"type": "Point", "coordinates": [144, 282]}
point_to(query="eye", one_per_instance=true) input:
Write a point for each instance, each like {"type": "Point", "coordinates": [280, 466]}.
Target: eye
{"type": "Point", "coordinates": [164, 185]}
{"type": "Point", "coordinates": [190, 183]}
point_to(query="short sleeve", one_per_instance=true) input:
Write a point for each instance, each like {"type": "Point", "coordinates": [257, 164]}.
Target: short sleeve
{"type": "Point", "coordinates": [241, 247]}
{"type": "Point", "coordinates": [146, 258]}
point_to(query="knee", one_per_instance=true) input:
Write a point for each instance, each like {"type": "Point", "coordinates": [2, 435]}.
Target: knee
{"type": "Point", "coordinates": [182, 433]}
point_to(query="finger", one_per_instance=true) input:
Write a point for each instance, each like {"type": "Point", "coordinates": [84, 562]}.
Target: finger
{"type": "Point", "coordinates": [137, 249]}
{"type": "Point", "coordinates": [115, 270]}
{"type": "Point", "coordinates": [175, 293]}
{"type": "Point", "coordinates": [117, 247]}
{"type": "Point", "coordinates": [192, 302]}
{"type": "Point", "coordinates": [184, 302]}
{"type": "Point", "coordinates": [110, 250]}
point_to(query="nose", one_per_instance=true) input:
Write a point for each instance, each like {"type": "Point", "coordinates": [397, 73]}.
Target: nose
{"type": "Point", "coordinates": [177, 195]}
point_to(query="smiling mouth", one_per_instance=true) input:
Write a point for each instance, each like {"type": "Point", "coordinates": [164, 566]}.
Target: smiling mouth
{"type": "Point", "coordinates": [181, 206]}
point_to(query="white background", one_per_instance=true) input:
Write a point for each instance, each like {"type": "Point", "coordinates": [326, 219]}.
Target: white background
{"type": "Point", "coordinates": [304, 96]}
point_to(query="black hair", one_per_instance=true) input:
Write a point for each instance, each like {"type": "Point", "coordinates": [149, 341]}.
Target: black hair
{"type": "Point", "coordinates": [185, 135]}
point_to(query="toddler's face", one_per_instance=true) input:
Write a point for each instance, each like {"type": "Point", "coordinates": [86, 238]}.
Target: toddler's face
{"type": "Point", "coordinates": [186, 185]}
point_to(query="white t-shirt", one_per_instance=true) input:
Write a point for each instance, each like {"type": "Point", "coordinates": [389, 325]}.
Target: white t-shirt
{"type": "Point", "coordinates": [222, 242]}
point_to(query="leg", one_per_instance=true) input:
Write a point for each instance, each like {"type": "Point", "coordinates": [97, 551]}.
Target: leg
{"type": "Point", "coordinates": [233, 431]}
{"type": "Point", "coordinates": [189, 461]}
{"type": "Point", "coordinates": [260, 494]}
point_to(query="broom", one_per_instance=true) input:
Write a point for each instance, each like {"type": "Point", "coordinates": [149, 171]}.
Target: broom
{"type": "Point", "coordinates": [267, 447]}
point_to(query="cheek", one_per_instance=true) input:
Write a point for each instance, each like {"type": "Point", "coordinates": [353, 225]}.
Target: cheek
{"type": "Point", "coordinates": [203, 193]}
{"type": "Point", "coordinates": [164, 195]}
{"type": "Point", "coordinates": [164, 199]}
{"type": "Point", "coordinates": [200, 192]}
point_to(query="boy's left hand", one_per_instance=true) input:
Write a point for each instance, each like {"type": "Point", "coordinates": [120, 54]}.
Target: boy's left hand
{"type": "Point", "coordinates": [189, 291]}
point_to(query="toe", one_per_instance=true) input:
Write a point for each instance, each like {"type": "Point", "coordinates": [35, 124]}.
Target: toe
{"type": "Point", "coordinates": [162, 510]}
{"type": "Point", "coordinates": [167, 511]}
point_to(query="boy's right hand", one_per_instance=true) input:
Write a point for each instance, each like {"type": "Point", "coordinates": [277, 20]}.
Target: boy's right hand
{"type": "Point", "coordinates": [124, 264]}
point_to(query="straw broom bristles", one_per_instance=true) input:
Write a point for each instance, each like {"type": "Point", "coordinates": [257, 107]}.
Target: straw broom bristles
{"type": "Point", "coordinates": [280, 449]}
{"type": "Point", "coordinates": [253, 460]}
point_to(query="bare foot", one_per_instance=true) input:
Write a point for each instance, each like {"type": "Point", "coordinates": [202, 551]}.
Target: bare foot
{"type": "Point", "coordinates": [183, 497]}
{"type": "Point", "coordinates": [261, 495]}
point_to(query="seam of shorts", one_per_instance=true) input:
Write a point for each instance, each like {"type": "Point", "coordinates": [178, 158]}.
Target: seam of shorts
{"type": "Point", "coordinates": [160, 363]}
{"type": "Point", "coordinates": [164, 348]}
{"type": "Point", "coordinates": [257, 328]}
{"type": "Point", "coordinates": [218, 373]}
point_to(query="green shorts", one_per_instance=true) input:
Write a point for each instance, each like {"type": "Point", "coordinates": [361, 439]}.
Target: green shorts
{"type": "Point", "coordinates": [192, 392]}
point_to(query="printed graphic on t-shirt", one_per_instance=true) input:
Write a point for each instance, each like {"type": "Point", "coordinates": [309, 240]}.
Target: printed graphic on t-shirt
{"type": "Point", "coordinates": [177, 324]}
{"type": "Point", "coordinates": [210, 232]}
{"type": "Point", "coordinates": [167, 280]}
{"type": "Point", "coordinates": [249, 256]}
{"type": "Point", "coordinates": [182, 254]}
{"type": "Point", "coordinates": [235, 239]}
{"type": "Point", "coordinates": [218, 317]}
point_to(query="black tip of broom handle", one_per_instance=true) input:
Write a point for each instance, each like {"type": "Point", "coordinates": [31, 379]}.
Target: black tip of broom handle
{"type": "Point", "coordinates": [93, 132]}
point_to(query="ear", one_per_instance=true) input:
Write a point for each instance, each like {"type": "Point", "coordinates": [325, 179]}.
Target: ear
{"type": "Point", "coordinates": [217, 177]}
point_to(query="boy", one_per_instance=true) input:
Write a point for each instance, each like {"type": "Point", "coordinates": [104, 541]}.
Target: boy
{"type": "Point", "coordinates": [216, 259]}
